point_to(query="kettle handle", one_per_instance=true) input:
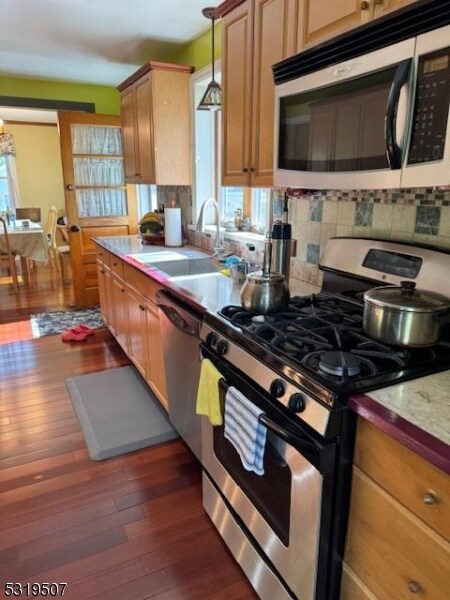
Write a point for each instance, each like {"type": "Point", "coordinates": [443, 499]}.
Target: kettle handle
{"type": "Point", "coordinates": [267, 264]}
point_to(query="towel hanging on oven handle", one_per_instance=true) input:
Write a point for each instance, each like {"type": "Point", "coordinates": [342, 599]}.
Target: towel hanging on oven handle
{"type": "Point", "coordinates": [319, 453]}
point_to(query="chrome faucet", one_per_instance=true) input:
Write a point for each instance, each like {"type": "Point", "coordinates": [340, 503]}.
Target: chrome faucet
{"type": "Point", "coordinates": [219, 248]}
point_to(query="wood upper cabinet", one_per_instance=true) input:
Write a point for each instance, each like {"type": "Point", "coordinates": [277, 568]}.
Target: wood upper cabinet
{"type": "Point", "coordinates": [322, 19]}
{"type": "Point", "coordinates": [255, 35]}
{"type": "Point", "coordinates": [398, 539]}
{"type": "Point", "coordinates": [155, 111]}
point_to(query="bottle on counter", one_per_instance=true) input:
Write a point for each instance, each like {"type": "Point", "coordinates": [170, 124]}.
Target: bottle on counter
{"type": "Point", "coordinates": [251, 258]}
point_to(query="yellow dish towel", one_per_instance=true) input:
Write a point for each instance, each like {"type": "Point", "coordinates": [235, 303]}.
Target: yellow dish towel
{"type": "Point", "coordinates": [208, 399]}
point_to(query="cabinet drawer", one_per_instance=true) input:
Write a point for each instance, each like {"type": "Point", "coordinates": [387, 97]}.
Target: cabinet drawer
{"type": "Point", "coordinates": [352, 587]}
{"type": "Point", "coordinates": [116, 265]}
{"type": "Point", "coordinates": [141, 282]}
{"type": "Point", "coordinates": [421, 487]}
{"type": "Point", "coordinates": [103, 255]}
{"type": "Point", "coordinates": [393, 552]}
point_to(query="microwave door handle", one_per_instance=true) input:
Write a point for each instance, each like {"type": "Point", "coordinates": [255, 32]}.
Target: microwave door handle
{"type": "Point", "coordinates": [393, 151]}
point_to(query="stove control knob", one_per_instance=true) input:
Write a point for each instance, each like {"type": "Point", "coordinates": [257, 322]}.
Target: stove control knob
{"type": "Point", "coordinates": [222, 347]}
{"type": "Point", "coordinates": [277, 388]}
{"type": "Point", "coordinates": [297, 403]}
{"type": "Point", "coordinates": [211, 339]}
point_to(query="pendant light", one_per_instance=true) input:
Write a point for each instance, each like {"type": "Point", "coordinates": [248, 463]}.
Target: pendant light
{"type": "Point", "coordinates": [212, 98]}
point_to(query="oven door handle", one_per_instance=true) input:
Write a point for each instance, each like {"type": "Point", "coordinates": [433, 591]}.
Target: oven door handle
{"type": "Point", "coordinates": [293, 440]}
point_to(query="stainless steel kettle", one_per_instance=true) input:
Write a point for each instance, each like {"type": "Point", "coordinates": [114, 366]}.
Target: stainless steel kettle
{"type": "Point", "coordinates": [264, 292]}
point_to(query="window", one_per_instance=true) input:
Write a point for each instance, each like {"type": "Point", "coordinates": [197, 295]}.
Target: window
{"type": "Point", "coordinates": [4, 187]}
{"type": "Point", "coordinates": [253, 204]}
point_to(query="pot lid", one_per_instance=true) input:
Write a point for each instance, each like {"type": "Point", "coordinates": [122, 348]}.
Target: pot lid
{"type": "Point", "coordinates": [407, 298]}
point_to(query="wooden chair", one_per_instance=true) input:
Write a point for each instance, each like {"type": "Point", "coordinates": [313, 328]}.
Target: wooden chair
{"type": "Point", "coordinates": [6, 254]}
{"type": "Point", "coordinates": [64, 254]}
{"type": "Point", "coordinates": [50, 232]}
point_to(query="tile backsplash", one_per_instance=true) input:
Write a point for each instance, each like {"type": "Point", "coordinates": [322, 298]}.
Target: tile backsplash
{"type": "Point", "coordinates": [414, 215]}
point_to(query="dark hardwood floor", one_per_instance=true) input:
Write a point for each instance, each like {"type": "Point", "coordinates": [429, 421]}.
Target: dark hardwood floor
{"type": "Point", "coordinates": [131, 527]}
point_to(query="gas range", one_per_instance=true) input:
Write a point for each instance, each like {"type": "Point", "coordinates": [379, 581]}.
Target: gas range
{"type": "Point", "coordinates": [317, 347]}
{"type": "Point", "coordinates": [322, 337]}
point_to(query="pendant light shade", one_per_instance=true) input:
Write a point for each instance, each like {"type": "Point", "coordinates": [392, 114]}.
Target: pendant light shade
{"type": "Point", "coordinates": [212, 98]}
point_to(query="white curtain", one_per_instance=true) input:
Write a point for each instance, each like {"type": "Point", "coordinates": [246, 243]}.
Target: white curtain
{"type": "Point", "coordinates": [13, 185]}
{"type": "Point", "coordinates": [7, 151]}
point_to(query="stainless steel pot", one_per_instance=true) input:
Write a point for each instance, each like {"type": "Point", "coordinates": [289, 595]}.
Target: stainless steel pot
{"type": "Point", "coordinates": [404, 316]}
{"type": "Point", "coordinates": [264, 292]}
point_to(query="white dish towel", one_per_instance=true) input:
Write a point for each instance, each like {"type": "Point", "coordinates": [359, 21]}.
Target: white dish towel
{"type": "Point", "coordinates": [243, 430]}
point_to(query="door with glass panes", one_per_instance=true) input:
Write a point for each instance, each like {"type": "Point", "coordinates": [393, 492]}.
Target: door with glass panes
{"type": "Point", "coordinates": [98, 202]}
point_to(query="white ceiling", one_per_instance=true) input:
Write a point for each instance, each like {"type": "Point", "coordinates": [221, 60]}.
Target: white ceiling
{"type": "Point", "coordinates": [93, 41]}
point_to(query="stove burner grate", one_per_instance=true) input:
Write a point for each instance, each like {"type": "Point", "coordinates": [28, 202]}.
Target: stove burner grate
{"type": "Point", "coordinates": [324, 334]}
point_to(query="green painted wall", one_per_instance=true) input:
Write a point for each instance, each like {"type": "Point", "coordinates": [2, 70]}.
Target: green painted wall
{"type": "Point", "coordinates": [198, 52]}
{"type": "Point", "coordinates": [106, 99]}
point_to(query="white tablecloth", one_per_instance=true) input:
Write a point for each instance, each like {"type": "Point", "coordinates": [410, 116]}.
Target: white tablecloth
{"type": "Point", "coordinates": [30, 242]}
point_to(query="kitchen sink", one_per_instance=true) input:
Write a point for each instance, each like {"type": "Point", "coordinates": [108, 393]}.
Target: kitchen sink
{"type": "Point", "coordinates": [196, 266]}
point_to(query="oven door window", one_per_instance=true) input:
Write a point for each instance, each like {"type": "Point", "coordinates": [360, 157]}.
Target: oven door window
{"type": "Point", "coordinates": [336, 128]}
{"type": "Point", "coordinates": [269, 493]}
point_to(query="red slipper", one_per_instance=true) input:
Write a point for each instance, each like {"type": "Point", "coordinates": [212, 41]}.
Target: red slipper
{"type": "Point", "coordinates": [83, 329]}
{"type": "Point", "coordinates": [71, 335]}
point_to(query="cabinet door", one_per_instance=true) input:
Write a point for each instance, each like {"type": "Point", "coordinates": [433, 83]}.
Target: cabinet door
{"type": "Point", "coordinates": [323, 19]}
{"type": "Point", "coordinates": [237, 41]}
{"type": "Point", "coordinates": [274, 40]}
{"type": "Point", "coordinates": [156, 370]}
{"type": "Point", "coordinates": [129, 128]}
{"type": "Point", "coordinates": [145, 143]}
{"type": "Point", "coordinates": [118, 311]}
{"type": "Point", "coordinates": [102, 293]}
{"type": "Point", "coordinates": [137, 334]}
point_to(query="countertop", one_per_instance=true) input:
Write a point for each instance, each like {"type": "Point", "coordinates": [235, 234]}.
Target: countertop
{"type": "Point", "coordinates": [417, 412]}
{"type": "Point", "coordinates": [205, 292]}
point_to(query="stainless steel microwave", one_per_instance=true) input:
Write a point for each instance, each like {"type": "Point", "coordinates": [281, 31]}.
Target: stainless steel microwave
{"type": "Point", "coordinates": [380, 120]}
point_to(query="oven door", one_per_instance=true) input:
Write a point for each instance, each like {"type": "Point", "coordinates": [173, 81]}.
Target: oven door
{"type": "Point", "coordinates": [286, 512]}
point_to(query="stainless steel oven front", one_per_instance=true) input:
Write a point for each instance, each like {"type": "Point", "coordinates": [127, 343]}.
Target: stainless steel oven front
{"type": "Point", "coordinates": [277, 525]}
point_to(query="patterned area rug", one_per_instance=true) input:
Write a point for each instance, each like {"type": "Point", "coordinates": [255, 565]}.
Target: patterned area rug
{"type": "Point", "coordinates": [54, 322]}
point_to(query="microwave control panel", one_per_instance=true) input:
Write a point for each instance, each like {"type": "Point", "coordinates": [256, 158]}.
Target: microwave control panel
{"type": "Point", "coordinates": [431, 108]}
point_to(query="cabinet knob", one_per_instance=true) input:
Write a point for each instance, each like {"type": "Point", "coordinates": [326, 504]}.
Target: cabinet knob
{"type": "Point", "coordinates": [414, 587]}
{"type": "Point", "coordinates": [365, 5]}
{"type": "Point", "coordinates": [429, 498]}
{"type": "Point", "coordinates": [245, 170]}
{"type": "Point", "coordinates": [252, 169]}
{"type": "Point", "coordinates": [70, 187]}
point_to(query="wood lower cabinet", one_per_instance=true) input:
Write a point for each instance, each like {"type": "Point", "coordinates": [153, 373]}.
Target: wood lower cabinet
{"type": "Point", "coordinates": [322, 20]}
{"type": "Point", "coordinates": [398, 542]}
{"type": "Point", "coordinates": [155, 111]}
{"type": "Point", "coordinates": [255, 35]}
{"type": "Point", "coordinates": [127, 303]}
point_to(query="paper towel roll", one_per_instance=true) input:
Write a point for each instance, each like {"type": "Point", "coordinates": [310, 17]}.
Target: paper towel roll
{"type": "Point", "coordinates": [172, 233]}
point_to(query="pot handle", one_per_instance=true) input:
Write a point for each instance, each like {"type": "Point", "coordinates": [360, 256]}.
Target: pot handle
{"type": "Point", "coordinates": [408, 287]}
{"type": "Point", "coordinates": [267, 264]}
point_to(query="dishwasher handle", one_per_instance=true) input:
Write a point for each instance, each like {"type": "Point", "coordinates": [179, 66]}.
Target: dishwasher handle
{"type": "Point", "coordinates": [178, 315]}
{"type": "Point", "coordinates": [177, 320]}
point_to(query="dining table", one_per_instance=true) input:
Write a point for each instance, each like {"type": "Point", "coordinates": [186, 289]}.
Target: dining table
{"type": "Point", "coordinates": [28, 241]}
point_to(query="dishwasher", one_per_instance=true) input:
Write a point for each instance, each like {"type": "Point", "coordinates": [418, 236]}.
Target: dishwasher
{"type": "Point", "coordinates": [180, 334]}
